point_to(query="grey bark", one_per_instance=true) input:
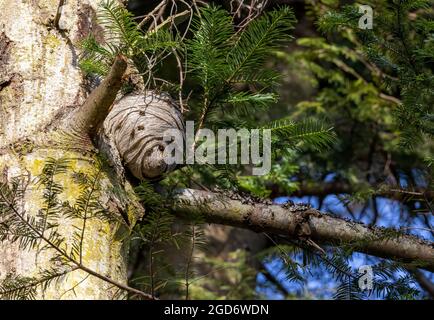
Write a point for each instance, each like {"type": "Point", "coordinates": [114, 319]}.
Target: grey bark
{"type": "Point", "coordinates": [306, 224]}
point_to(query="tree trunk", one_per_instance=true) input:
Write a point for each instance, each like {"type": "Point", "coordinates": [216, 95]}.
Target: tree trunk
{"type": "Point", "coordinates": [40, 82]}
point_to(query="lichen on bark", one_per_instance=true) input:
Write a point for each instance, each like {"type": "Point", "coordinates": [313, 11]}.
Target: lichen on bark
{"type": "Point", "coordinates": [43, 82]}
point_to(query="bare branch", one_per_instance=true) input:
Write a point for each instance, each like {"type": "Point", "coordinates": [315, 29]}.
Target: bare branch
{"type": "Point", "coordinates": [151, 14]}
{"type": "Point", "coordinates": [324, 228]}
{"type": "Point", "coordinates": [87, 118]}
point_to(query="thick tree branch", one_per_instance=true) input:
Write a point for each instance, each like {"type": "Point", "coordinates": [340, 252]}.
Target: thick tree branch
{"type": "Point", "coordinates": [324, 228]}
{"type": "Point", "coordinates": [92, 113]}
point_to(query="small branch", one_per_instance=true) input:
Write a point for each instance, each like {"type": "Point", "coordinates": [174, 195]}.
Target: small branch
{"type": "Point", "coordinates": [58, 14]}
{"type": "Point", "coordinates": [152, 13]}
{"type": "Point", "coordinates": [189, 260]}
{"type": "Point", "coordinates": [181, 80]}
{"type": "Point", "coordinates": [273, 280]}
{"type": "Point", "coordinates": [38, 282]}
{"type": "Point", "coordinates": [92, 113]}
{"type": "Point", "coordinates": [325, 229]}
{"type": "Point", "coordinates": [389, 98]}
{"type": "Point", "coordinates": [78, 264]}
{"type": "Point", "coordinates": [169, 20]}
{"type": "Point", "coordinates": [158, 17]}
{"type": "Point", "coordinates": [75, 286]}
{"type": "Point", "coordinates": [423, 281]}
{"type": "Point", "coordinates": [343, 66]}
{"type": "Point", "coordinates": [201, 120]}
{"type": "Point", "coordinates": [117, 284]}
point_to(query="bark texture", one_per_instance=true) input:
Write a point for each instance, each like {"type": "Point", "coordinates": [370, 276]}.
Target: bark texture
{"type": "Point", "coordinates": [40, 83]}
{"type": "Point", "coordinates": [312, 224]}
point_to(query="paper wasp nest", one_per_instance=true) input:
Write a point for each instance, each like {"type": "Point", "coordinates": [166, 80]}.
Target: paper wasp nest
{"type": "Point", "coordinates": [136, 124]}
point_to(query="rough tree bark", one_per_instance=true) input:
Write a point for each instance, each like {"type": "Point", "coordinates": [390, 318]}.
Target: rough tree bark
{"type": "Point", "coordinates": [40, 83]}
{"type": "Point", "coordinates": [304, 223]}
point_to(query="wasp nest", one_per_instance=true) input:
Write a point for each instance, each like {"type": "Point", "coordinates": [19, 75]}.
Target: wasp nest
{"type": "Point", "coordinates": [136, 125]}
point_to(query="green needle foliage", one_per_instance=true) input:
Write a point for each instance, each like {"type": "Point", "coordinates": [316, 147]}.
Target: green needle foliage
{"type": "Point", "coordinates": [40, 232]}
{"type": "Point", "coordinates": [400, 47]}
{"type": "Point", "coordinates": [363, 83]}
{"type": "Point", "coordinates": [226, 68]}
{"type": "Point", "coordinates": [310, 132]}
{"type": "Point", "coordinates": [221, 59]}
{"type": "Point", "coordinates": [122, 35]}
{"type": "Point", "coordinates": [233, 87]}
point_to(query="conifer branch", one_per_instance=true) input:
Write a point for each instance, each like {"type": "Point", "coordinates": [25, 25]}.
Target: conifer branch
{"type": "Point", "coordinates": [78, 265]}
{"type": "Point", "coordinates": [27, 227]}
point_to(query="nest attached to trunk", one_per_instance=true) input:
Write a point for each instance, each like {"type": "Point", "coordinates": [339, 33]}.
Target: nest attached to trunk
{"type": "Point", "coordinates": [136, 125]}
